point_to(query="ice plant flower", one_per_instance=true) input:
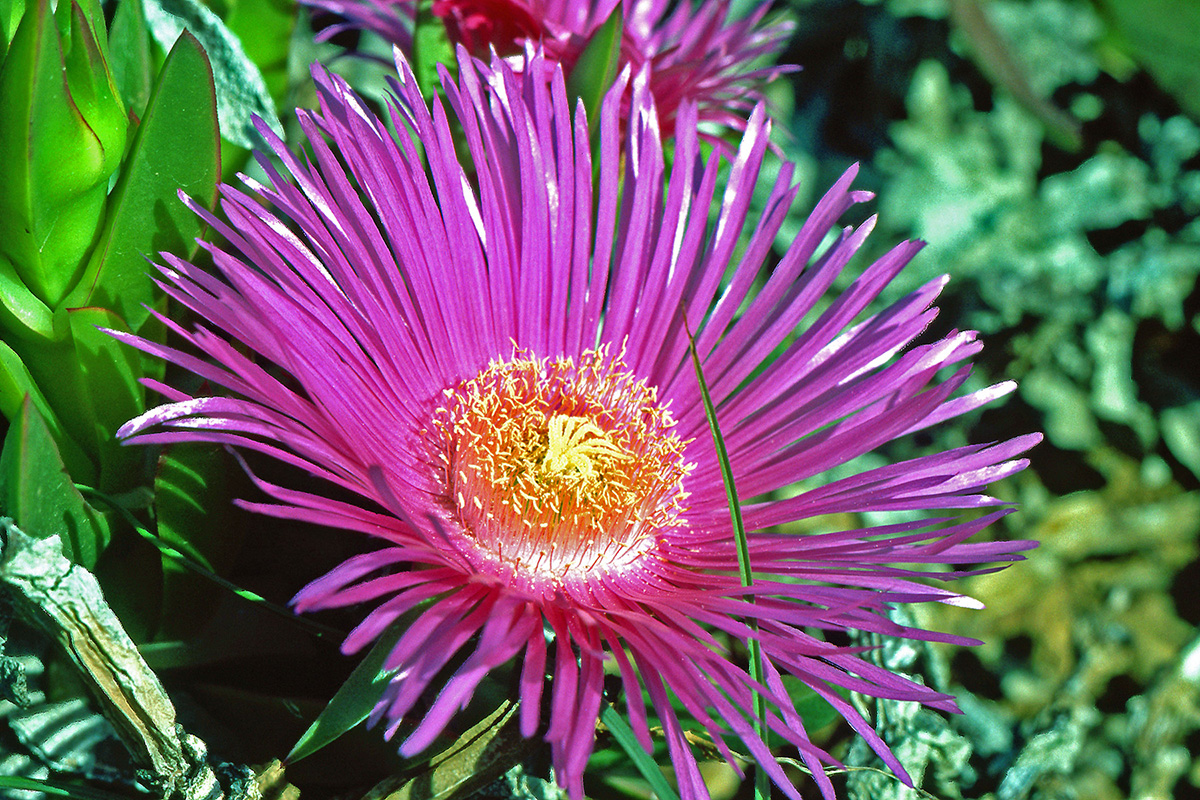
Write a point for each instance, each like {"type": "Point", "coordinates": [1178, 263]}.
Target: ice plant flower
{"type": "Point", "coordinates": [693, 54]}
{"type": "Point", "coordinates": [496, 362]}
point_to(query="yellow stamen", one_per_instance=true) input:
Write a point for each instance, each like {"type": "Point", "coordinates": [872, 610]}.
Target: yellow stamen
{"type": "Point", "coordinates": [573, 443]}
{"type": "Point", "coordinates": [558, 465]}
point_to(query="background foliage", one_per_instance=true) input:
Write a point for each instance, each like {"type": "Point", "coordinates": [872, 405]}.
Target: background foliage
{"type": "Point", "coordinates": [1051, 158]}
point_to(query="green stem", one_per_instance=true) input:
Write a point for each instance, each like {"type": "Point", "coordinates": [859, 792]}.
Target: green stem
{"type": "Point", "coordinates": [762, 786]}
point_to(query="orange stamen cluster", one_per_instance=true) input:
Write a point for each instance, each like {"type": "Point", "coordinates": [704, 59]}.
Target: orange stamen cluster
{"type": "Point", "coordinates": [559, 465]}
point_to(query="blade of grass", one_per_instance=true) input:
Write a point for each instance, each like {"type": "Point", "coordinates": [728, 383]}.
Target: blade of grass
{"type": "Point", "coordinates": [644, 762]}
{"type": "Point", "coordinates": [762, 786]}
{"type": "Point", "coordinates": [315, 628]}
{"type": "Point", "coordinates": [57, 788]}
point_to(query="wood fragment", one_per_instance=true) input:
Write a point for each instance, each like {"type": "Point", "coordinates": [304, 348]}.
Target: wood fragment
{"type": "Point", "coordinates": [65, 602]}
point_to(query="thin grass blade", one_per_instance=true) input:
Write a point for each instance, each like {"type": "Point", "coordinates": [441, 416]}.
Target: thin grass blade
{"type": "Point", "coordinates": [762, 787]}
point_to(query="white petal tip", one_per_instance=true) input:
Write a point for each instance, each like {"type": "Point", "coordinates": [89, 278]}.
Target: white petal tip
{"type": "Point", "coordinates": [962, 601]}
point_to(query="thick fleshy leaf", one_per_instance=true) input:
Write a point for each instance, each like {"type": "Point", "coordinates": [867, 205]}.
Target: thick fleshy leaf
{"type": "Point", "coordinates": [54, 366]}
{"type": "Point", "coordinates": [92, 384]}
{"type": "Point", "coordinates": [241, 91]}
{"type": "Point", "coordinates": [37, 492]}
{"type": "Point", "coordinates": [93, 14]}
{"type": "Point", "coordinates": [11, 12]}
{"type": "Point", "coordinates": [20, 311]}
{"type": "Point", "coordinates": [62, 135]}
{"type": "Point", "coordinates": [16, 384]}
{"type": "Point", "coordinates": [109, 382]}
{"type": "Point", "coordinates": [596, 69]}
{"type": "Point", "coordinates": [192, 507]}
{"type": "Point", "coordinates": [130, 59]}
{"type": "Point", "coordinates": [176, 148]}
{"type": "Point", "coordinates": [353, 701]}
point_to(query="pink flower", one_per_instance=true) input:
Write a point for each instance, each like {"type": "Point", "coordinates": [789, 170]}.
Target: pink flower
{"type": "Point", "coordinates": [480, 24]}
{"type": "Point", "coordinates": [693, 55]}
{"type": "Point", "coordinates": [502, 375]}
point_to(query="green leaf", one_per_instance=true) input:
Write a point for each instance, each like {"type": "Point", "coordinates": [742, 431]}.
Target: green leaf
{"type": "Point", "coordinates": [57, 788]}
{"type": "Point", "coordinates": [37, 492]}
{"type": "Point", "coordinates": [353, 701]}
{"type": "Point", "coordinates": [431, 47]}
{"type": "Point", "coordinates": [192, 507]}
{"type": "Point", "coordinates": [1164, 37]}
{"type": "Point", "coordinates": [644, 762]}
{"type": "Point", "coordinates": [814, 709]}
{"type": "Point", "coordinates": [62, 136]}
{"type": "Point", "coordinates": [109, 375]}
{"type": "Point", "coordinates": [171, 553]}
{"type": "Point", "coordinates": [176, 148]}
{"type": "Point", "coordinates": [475, 759]}
{"type": "Point", "coordinates": [264, 27]}
{"type": "Point", "coordinates": [54, 366]}
{"type": "Point", "coordinates": [594, 72]}
{"type": "Point", "coordinates": [11, 12]}
{"type": "Point", "coordinates": [241, 91]}
{"type": "Point", "coordinates": [190, 493]}
{"type": "Point", "coordinates": [91, 382]}
{"type": "Point", "coordinates": [20, 311]}
{"type": "Point", "coordinates": [130, 57]}
{"type": "Point", "coordinates": [1180, 427]}
{"type": "Point", "coordinates": [16, 384]}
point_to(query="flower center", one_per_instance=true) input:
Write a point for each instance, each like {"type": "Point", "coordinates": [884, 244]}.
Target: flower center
{"type": "Point", "coordinates": [571, 444]}
{"type": "Point", "coordinates": [480, 24]}
{"type": "Point", "coordinates": [561, 466]}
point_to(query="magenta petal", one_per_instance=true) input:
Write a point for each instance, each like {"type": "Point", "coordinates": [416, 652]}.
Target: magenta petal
{"type": "Point", "coordinates": [491, 364]}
